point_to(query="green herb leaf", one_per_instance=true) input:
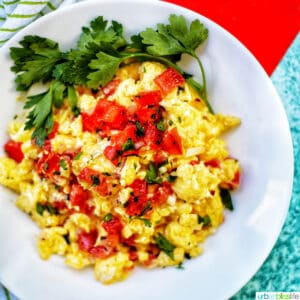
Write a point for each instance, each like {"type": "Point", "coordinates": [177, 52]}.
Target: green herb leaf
{"type": "Point", "coordinates": [128, 145]}
{"type": "Point", "coordinates": [161, 125]}
{"type": "Point", "coordinates": [191, 38]}
{"type": "Point", "coordinates": [34, 61]}
{"type": "Point", "coordinates": [146, 208]}
{"type": "Point", "coordinates": [67, 238]}
{"type": "Point", "coordinates": [58, 94]}
{"type": "Point", "coordinates": [171, 178]}
{"type": "Point", "coordinates": [72, 98]}
{"type": "Point", "coordinates": [175, 37]}
{"type": "Point", "coordinates": [95, 179]}
{"type": "Point", "coordinates": [160, 42]}
{"type": "Point", "coordinates": [106, 66]}
{"type": "Point", "coordinates": [99, 32]}
{"type": "Point", "coordinates": [63, 164]}
{"type": "Point", "coordinates": [108, 217]}
{"type": "Point", "coordinates": [205, 220]}
{"type": "Point", "coordinates": [146, 221]}
{"type": "Point", "coordinates": [226, 199]}
{"type": "Point", "coordinates": [140, 130]}
{"type": "Point", "coordinates": [164, 245]}
{"type": "Point", "coordinates": [77, 156]}
{"type": "Point", "coordinates": [40, 117]}
{"type": "Point", "coordinates": [180, 266]}
{"type": "Point", "coordinates": [151, 175]}
{"type": "Point", "coordinates": [40, 208]}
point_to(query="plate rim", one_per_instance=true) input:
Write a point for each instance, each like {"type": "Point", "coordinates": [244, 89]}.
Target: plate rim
{"type": "Point", "coordinates": [16, 38]}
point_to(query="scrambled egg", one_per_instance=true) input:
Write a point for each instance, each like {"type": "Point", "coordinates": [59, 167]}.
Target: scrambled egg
{"type": "Point", "coordinates": [114, 212]}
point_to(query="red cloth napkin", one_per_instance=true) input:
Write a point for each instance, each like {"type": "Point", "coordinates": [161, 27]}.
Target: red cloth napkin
{"type": "Point", "coordinates": [265, 27]}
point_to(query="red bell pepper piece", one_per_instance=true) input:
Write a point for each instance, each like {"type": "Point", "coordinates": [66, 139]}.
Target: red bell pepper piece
{"type": "Point", "coordinates": [171, 142]}
{"type": "Point", "coordinates": [168, 80]}
{"type": "Point", "coordinates": [14, 151]}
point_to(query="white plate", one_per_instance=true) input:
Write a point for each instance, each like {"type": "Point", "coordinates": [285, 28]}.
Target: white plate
{"type": "Point", "coordinates": [237, 85]}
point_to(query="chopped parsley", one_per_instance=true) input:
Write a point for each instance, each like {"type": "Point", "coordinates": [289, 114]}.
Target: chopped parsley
{"type": "Point", "coordinates": [180, 266]}
{"type": "Point", "coordinates": [171, 178]}
{"type": "Point", "coordinates": [152, 175]}
{"type": "Point", "coordinates": [140, 130]}
{"type": "Point", "coordinates": [77, 156]}
{"type": "Point", "coordinates": [206, 221]}
{"type": "Point", "coordinates": [108, 217]}
{"type": "Point", "coordinates": [95, 180]}
{"type": "Point", "coordinates": [161, 125]}
{"type": "Point", "coordinates": [63, 164]}
{"type": "Point", "coordinates": [164, 245]}
{"type": "Point", "coordinates": [146, 208]}
{"type": "Point", "coordinates": [226, 199]}
{"type": "Point", "coordinates": [146, 221]}
{"type": "Point", "coordinates": [128, 145]}
{"type": "Point", "coordinates": [40, 208]}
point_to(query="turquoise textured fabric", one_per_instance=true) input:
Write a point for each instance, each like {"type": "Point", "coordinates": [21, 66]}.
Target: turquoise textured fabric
{"type": "Point", "coordinates": [281, 271]}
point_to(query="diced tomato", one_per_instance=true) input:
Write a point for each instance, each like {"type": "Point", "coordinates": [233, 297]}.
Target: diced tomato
{"type": "Point", "coordinates": [79, 197]}
{"type": "Point", "coordinates": [46, 148]}
{"type": "Point", "coordinates": [86, 240]}
{"type": "Point", "coordinates": [96, 180]}
{"type": "Point", "coordinates": [133, 255]}
{"type": "Point", "coordinates": [153, 137]}
{"type": "Point", "coordinates": [121, 138]}
{"type": "Point", "coordinates": [100, 251]}
{"type": "Point", "coordinates": [112, 153]}
{"type": "Point", "coordinates": [172, 142]}
{"type": "Point", "coordinates": [90, 123]}
{"type": "Point", "coordinates": [153, 253]}
{"type": "Point", "coordinates": [234, 183]}
{"type": "Point", "coordinates": [148, 98]}
{"type": "Point", "coordinates": [114, 226]}
{"type": "Point", "coordinates": [107, 246]}
{"type": "Point", "coordinates": [130, 152]}
{"type": "Point", "coordinates": [136, 205]}
{"type": "Point", "coordinates": [48, 165]}
{"type": "Point", "coordinates": [111, 87]}
{"type": "Point", "coordinates": [88, 175]}
{"type": "Point", "coordinates": [106, 113]}
{"type": "Point", "coordinates": [162, 193]}
{"type": "Point", "coordinates": [236, 179]}
{"type": "Point", "coordinates": [59, 205]}
{"type": "Point", "coordinates": [54, 131]}
{"type": "Point", "coordinates": [130, 241]}
{"type": "Point", "coordinates": [168, 80]}
{"type": "Point", "coordinates": [214, 163]}
{"type": "Point", "coordinates": [115, 117]}
{"type": "Point", "coordinates": [160, 158]}
{"type": "Point", "coordinates": [14, 150]}
{"type": "Point", "coordinates": [139, 187]}
{"type": "Point", "coordinates": [195, 162]}
{"type": "Point", "coordinates": [149, 114]}
{"type": "Point", "coordinates": [138, 201]}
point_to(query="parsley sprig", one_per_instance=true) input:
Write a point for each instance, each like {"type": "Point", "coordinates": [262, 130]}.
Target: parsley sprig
{"type": "Point", "coordinates": [99, 52]}
{"type": "Point", "coordinates": [40, 116]}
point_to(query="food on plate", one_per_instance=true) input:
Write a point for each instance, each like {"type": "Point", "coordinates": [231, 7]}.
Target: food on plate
{"type": "Point", "coordinates": [125, 165]}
